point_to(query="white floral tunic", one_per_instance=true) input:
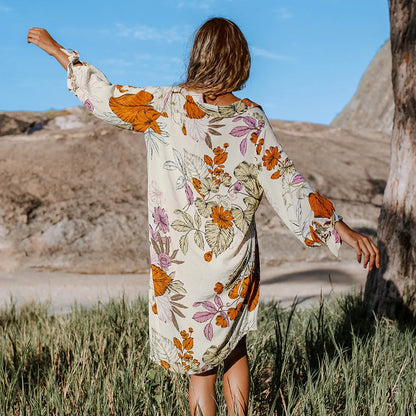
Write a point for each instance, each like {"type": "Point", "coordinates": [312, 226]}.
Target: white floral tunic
{"type": "Point", "coordinates": [208, 167]}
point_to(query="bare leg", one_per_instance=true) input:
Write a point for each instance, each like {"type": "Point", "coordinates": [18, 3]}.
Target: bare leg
{"type": "Point", "coordinates": [202, 393]}
{"type": "Point", "coordinates": [236, 380]}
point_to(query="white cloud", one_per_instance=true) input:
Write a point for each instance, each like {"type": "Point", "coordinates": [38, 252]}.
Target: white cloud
{"type": "Point", "coordinates": [5, 9]}
{"type": "Point", "coordinates": [196, 4]}
{"type": "Point", "coordinates": [143, 32]}
{"type": "Point", "coordinates": [283, 13]}
{"type": "Point", "coordinates": [264, 53]}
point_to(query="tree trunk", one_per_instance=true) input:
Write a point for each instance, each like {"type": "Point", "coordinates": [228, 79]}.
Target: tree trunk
{"type": "Point", "coordinates": [392, 286]}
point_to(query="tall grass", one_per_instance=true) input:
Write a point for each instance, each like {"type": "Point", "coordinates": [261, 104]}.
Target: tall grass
{"type": "Point", "coordinates": [332, 359]}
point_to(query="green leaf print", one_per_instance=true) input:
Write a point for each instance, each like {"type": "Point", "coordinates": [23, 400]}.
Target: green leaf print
{"type": "Point", "coordinates": [180, 226]}
{"type": "Point", "coordinates": [187, 218]}
{"type": "Point", "coordinates": [247, 174]}
{"type": "Point", "coordinates": [218, 238]}
{"type": "Point", "coordinates": [197, 219]}
{"type": "Point", "coordinates": [195, 166]}
{"type": "Point", "coordinates": [215, 355]}
{"type": "Point", "coordinates": [240, 219]}
{"type": "Point", "coordinates": [204, 208]}
{"type": "Point", "coordinates": [208, 185]}
{"type": "Point", "coordinates": [252, 204]}
{"type": "Point", "coordinates": [183, 243]}
{"type": "Point", "coordinates": [199, 239]}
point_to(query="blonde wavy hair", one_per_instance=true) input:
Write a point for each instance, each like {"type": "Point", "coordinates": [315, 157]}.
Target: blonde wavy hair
{"type": "Point", "coordinates": [220, 59]}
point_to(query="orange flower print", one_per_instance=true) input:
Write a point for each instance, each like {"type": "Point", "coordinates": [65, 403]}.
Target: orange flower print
{"type": "Point", "coordinates": [192, 110]}
{"type": "Point", "coordinates": [235, 291]}
{"type": "Point", "coordinates": [121, 88]}
{"type": "Point", "coordinates": [154, 308]}
{"type": "Point", "coordinates": [184, 129]}
{"type": "Point", "coordinates": [197, 183]}
{"type": "Point", "coordinates": [315, 238]}
{"type": "Point", "coordinates": [222, 217]}
{"type": "Point", "coordinates": [188, 343]}
{"type": "Point", "coordinates": [249, 103]}
{"type": "Point", "coordinates": [185, 347]}
{"type": "Point", "coordinates": [271, 157]}
{"type": "Point", "coordinates": [253, 138]}
{"type": "Point", "coordinates": [208, 160]}
{"type": "Point", "coordinates": [321, 206]}
{"type": "Point", "coordinates": [208, 256]}
{"type": "Point", "coordinates": [127, 106]}
{"type": "Point", "coordinates": [276, 175]}
{"type": "Point", "coordinates": [177, 343]}
{"type": "Point", "coordinates": [160, 280]}
{"type": "Point", "coordinates": [164, 364]}
{"type": "Point", "coordinates": [233, 312]}
{"type": "Point", "coordinates": [259, 146]}
{"type": "Point", "coordinates": [135, 109]}
{"type": "Point", "coordinates": [221, 321]}
{"type": "Point", "coordinates": [219, 287]}
{"type": "Point", "coordinates": [145, 119]}
{"type": "Point", "coordinates": [251, 297]}
{"type": "Point", "coordinates": [220, 158]}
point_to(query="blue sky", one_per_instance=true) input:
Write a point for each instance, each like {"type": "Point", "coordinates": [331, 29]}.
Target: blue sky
{"type": "Point", "coordinates": [307, 56]}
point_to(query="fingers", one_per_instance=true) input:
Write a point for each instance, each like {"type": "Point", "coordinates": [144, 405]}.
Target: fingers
{"type": "Point", "coordinates": [370, 254]}
{"type": "Point", "coordinates": [364, 245]}
{"type": "Point", "coordinates": [377, 254]}
{"type": "Point", "coordinates": [35, 33]}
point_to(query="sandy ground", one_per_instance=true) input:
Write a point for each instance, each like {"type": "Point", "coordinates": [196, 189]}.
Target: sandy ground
{"type": "Point", "coordinates": [304, 281]}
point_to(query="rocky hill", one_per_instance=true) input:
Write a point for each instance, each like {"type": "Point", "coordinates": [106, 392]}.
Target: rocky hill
{"type": "Point", "coordinates": [73, 191]}
{"type": "Point", "coordinates": [372, 106]}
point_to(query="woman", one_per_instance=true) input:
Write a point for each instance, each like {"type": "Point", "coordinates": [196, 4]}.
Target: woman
{"type": "Point", "coordinates": [210, 158]}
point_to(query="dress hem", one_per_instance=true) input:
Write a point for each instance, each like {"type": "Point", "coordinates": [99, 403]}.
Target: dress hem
{"type": "Point", "coordinates": [241, 335]}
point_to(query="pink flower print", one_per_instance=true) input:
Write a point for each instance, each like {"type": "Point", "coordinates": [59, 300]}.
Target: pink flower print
{"type": "Point", "coordinates": [336, 235]}
{"type": "Point", "coordinates": [152, 233]}
{"type": "Point", "coordinates": [164, 260]}
{"type": "Point", "coordinates": [89, 106]}
{"type": "Point", "coordinates": [189, 194]}
{"type": "Point", "coordinates": [166, 240]}
{"type": "Point", "coordinates": [238, 187]}
{"type": "Point", "coordinates": [155, 193]}
{"type": "Point", "coordinates": [298, 179]}
{"type": "Point", "coordinates": [161, 220]}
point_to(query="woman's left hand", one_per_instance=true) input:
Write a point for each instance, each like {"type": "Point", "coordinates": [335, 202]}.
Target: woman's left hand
{"type": "Point", "coordinates": [40, 37]}
{"type": "Point", "coordinates": [361, 243]}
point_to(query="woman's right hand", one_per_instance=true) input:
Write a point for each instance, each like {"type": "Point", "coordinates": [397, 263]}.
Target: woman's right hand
{"type": "Point", "coordinates": [362, 244]}
{"type": "Point", "coordinates": [40, 37]}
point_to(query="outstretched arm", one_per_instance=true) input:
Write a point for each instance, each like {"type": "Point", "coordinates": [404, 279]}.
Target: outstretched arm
{"type": "Point", "coordinates": [40, 37]}
{"type": "Point", "coordinates": [125, 106]}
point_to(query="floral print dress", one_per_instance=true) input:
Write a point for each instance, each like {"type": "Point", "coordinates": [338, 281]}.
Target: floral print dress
{"type": "Point", "coordinates": [208, 168]}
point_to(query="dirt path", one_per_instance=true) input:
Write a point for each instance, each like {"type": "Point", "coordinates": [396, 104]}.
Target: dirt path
{"type": "Point", "coordinates": [283, 283]}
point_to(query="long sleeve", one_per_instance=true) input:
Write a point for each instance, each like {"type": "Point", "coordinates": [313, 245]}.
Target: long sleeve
{"type": "Point", "coordinates": [121, 105]}
{"type": "Point", "coordinates": [309, 215]}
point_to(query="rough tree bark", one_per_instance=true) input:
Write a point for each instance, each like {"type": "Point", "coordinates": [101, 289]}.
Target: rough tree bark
{"type": "Point", "coordinates": [392, 286]}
